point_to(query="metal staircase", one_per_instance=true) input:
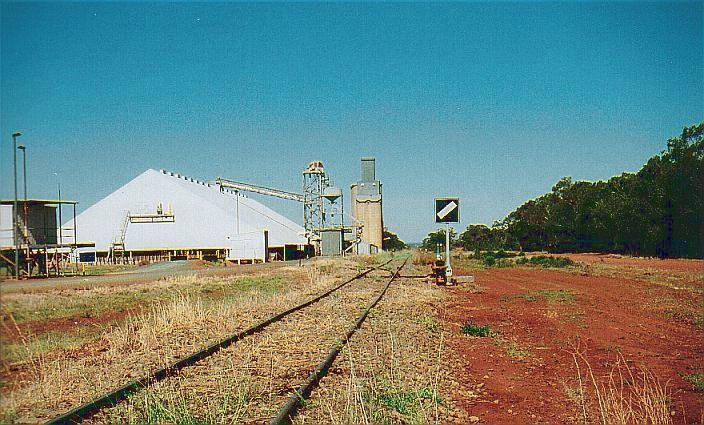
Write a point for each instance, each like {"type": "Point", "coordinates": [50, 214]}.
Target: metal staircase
{"type": "Point", "coordinates": [118, 243]}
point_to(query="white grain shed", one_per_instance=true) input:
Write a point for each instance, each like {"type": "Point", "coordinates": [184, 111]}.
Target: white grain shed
{"type": "Point", "coordinates": [164, 211]}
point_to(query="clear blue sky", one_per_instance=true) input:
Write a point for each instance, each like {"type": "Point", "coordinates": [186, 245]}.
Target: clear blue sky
{"type": "Point", "coordinates": [490, 102]}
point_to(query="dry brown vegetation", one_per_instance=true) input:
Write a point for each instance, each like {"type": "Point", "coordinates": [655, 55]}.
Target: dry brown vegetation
{"type": "Point", "coordinates": [396, 361]}
{"type": "Point", "coordinates": [626, 396]}
{"type": "Point", "coordinates": [395, 370]}
{"type": "Point", "coordinates": [168, 329]}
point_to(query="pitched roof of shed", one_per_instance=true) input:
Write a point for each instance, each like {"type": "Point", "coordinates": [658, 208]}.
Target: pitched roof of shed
{"type": "Point", "coordinates": [204, 216]}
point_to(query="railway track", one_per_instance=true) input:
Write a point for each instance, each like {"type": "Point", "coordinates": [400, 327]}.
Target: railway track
{"type": "Point", "coordinates": [198, 359]}
{"type": "Point", "coordinates": [288, 411]}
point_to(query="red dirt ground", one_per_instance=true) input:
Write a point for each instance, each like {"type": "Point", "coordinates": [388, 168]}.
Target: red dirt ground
{"type": "Point", "coordinates": [677, 264]}
{"type": "Point", "coordinates": [11, 333]}
{"type": "Point", "coordinates": [608, 316]}
{"type": "Point", "coordinates": [11, 375]}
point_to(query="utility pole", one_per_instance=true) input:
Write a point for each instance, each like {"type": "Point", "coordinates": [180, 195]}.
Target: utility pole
{"type": "Point", "coordinates": [15, 221]}
{"type": "Point", "coordinates": [23, 148]}
{"type": "Point", "coordinates": [61, 230]}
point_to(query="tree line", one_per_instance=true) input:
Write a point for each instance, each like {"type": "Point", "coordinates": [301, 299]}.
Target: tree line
{"type": "Point", "coordinates": [657, 211]}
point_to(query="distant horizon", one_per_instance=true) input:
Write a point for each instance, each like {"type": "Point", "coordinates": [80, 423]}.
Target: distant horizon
{"type": "Point", "coordinates": [490, 102]}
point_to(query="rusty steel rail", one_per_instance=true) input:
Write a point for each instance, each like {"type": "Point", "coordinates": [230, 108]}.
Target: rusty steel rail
{"type": "Point", "coordinates": [110, 399]}
{"type": "Point", "coordinates": [288, 411]}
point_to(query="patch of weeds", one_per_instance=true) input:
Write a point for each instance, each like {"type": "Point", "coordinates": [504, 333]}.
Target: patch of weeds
{"type": "Point", "coordinates": [327, 268]}
{"type": "Point", "coordinates": [513, 349]}
{"type": "Point", "coordinates": [173, 405]}
{"type": "Point", "coordinates": [427, 393]}
{"type": "Point", "coordinates": [685, 314]}
{"type": "Point", "coordinates": [213, 263]}
{"type": "Point", "coordinates": [406, 402]}
{"type": "Point", "coordinates": [102, 269]}
{"type": "Point", "coordinates": [559, 296]}
{"type": "Point", "coordinates": [377, 259]}
{"type": "Point", "coordinates": [472, 329]}
{"type": "Point", "coordinates": [157, 412]}
{"type": "Point", "coordinates": [421, 258]}
{"type": "Point", "coordinates": [575, 394]}
{"type": "Point", "coordinates": [461, 264]}
{"type": "Point", "coordinates": [551, 296]}
{"type": "Point", "coordinates": [20, 351]}
{"type": "Point", "coordinates": [503, 263]}
{"type": "Point", "coordinates": [528, 296]}
{"type": "Point", "coordinates": [578, 396]}
{"type": "Point", "coordinates": [264, 284]}
{"type": "Point", "coordinates": [399, 402]}
{"type": "Point", "coordinates": [430, 324]}
{"type": "Point", "coordinates": [697, 381]}
{"type": "Point", "coordinates": [546, 261]}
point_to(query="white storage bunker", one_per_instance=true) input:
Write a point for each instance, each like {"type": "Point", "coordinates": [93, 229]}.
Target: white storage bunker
{"type": "Point", "coordinates": [162, 215]}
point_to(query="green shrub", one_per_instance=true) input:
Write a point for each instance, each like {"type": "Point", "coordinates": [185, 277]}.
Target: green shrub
{"type": "Point", "coordinates": [472, 329]}
{"type": "Point", "coordinates": [488, 260]}
{"type": "Point", "coordinates": [497, 259]}
{"type": "Point", "coordinates": [400, 402]}
{"type": "Point", "coordinates": [502, 254]}
{"type": "Point", "coordinates": [545, 261]}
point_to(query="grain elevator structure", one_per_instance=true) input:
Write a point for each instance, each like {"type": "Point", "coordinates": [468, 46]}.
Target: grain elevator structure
{"type": "Point", "coordinates": [367, 208]}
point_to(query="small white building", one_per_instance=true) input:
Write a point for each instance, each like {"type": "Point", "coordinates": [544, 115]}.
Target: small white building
{"type": "Point", "coordinates": [166, 215]}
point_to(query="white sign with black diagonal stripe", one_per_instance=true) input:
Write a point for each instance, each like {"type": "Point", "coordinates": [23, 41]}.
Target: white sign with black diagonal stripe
{"type": "Point", "coordinates": [447, 210]}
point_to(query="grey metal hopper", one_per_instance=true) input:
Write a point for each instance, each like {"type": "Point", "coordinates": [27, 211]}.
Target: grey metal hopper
{"type": "Point", "coordinates": [331, 193]}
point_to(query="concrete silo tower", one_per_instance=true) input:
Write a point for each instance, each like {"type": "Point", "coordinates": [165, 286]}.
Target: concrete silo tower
{"type": "Point", "coordinates": [367, 204]}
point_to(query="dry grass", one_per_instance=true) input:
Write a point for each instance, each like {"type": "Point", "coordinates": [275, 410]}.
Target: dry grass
{"type": "Point", "coordinates": [269, 364]}
{"type": "Point", "coordinates": [465, 264]}
{"type": "Point", "coordinates": [422, 258]}
{"type": "Point", "coordinates": [170, 401]}
{"type": "Point", "coordinates": [171, 328]}
{"type": "Point", "coordinates": [90, 301]}
{"type": "Point", "coordinates": [624, 396]}
{"type": "Point", "coordinates": [394, 370]}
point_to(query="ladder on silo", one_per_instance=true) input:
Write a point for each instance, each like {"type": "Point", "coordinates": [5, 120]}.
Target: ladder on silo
{"type": "Point", "coordinates": [118, 244]}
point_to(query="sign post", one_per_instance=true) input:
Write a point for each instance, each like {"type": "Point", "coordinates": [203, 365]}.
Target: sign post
{"type": "Point", "coordinates": [447, 210]}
